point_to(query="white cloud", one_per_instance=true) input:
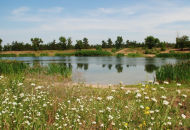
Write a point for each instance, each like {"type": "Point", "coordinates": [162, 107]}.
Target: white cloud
{"type": "Point", "coordinates": [20, 11]}
{"type": "Point", "coordinates": [51, 10]}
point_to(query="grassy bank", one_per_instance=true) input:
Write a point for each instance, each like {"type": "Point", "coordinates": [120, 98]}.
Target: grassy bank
{"type": "Point", "coordinates": [28, 105]}
{"type": "Point", "coordinates": [174, 72]}
{"type": "Point", "coordinates": [134, 55]}
{"type": "Point", "coordinates": [8, 55]}
{"type": "Point", "coordinates": [92, 53]}
{"type": "Point", "coordinates": [179, 55]}
{"type": "Point", "coordinates": [64, 54]}
{"type": "Point", "coordinates": [27, 55]}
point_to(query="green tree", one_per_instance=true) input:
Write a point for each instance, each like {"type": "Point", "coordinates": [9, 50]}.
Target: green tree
{"type": "Point", "coordinates": [79, 45]}
{"type": "Point", "coordinates": [36, 43]}
{"type": "Point", "coordinates": [163, 46]}
{"type": "Point", "coordinates": [109, 41]}
{"type": "Point", "coordinates": [85, 43]}
{"type": "Point", "coordinates": [118, 42]}
{"type": "Point", "coordinates": [0, 44]}
{"type": "Point", "coordinates": [150, 41]}
{"type": "Point", "coordinates": [104, 44]}
{"type": "Point", "coordinates": [63, 42]}
{"type": "Point", "coordinates": [69, 42]}
{"type": "Point", "coordinates": [182, 41]}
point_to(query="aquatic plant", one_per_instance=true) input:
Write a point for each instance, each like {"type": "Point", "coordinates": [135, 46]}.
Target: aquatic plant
{"type": "Point", "coordinates": [92, 53]}
{"type": "Point", "coordinates": [64, 54]}
{"type": "Point", "coordinates": [172, 54]}
{"type": "Point", "coordinates": [26, 55]}
{"type": "Point", "coordinates": [178, 72]}
{"type": "Point", "coordinates": [7, 55]}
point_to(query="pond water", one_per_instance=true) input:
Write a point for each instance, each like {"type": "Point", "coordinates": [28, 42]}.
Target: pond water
{"type": "Point", "coordinates": [109, 69]}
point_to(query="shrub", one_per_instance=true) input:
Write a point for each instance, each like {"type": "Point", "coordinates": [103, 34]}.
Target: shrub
{"type": "Point", "coordinates": [120, 54]}
{"type": "Point", "coordinates": [172, 51]}
{"type": "Point", "coordinates": [7, 55]}
{"type": "Point", "coordinates": [92, 53]}
{"type": "Point", "coordinates": [26, 55]}
{"type": "Point", "coordinates": [64, 54]}
{"type": "Point", "coordinates": [98, 48]}
{"type": "Point", "coordinates": [42, 54]}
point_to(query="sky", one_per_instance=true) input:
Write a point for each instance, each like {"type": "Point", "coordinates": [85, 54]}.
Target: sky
{"type": "Point", "coordinates": [97, 20]}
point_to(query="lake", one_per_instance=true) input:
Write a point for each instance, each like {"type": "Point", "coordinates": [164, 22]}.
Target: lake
{"type": "Point", "coordinates": [108, 69]}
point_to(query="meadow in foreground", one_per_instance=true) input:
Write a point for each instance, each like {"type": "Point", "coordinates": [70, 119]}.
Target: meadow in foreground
{"type": "Point", "coordinates": [26, 105]}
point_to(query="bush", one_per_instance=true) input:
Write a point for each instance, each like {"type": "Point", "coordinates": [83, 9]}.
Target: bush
{"type": "Point", "coordinates": [64, 54]}
{"type": "Point", "coordinates": [98, 48]}
{"type": "Point", "coordinates": [7, 55]}
{"type": "Point", "coordinates": [147, 51]}
{"type": "Point", "coordinates": [114, 50]}
{"type": "Point", "coordinates": [172, 51]}
{"type": "Point", "coordinates": [42, 54]}
{"type": "Point", "coordinates": [120, 54]}
{"type": "Point", "coordinates": [134, 55]}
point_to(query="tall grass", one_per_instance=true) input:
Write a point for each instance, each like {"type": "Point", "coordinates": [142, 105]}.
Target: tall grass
{"type": "Point", "coordinates": [44, 54]}
{"type": "Point", "coordinates": [179, 55]}
{"type": "Point", "coordinates": [64, 54]}
{"type": "Point", "coordinates": [134, 55]}
{"type": "Point", "coordinates": [12, 67]}
{"type": "Point", "coordinates": [92, 53]}
{"type": "Point", "coordinates": [179, 72]}
{"type": "Point", "coordinates": [26, 55]}
{"type": "Point", "coordinates": [7, 55]}
{"type": "Point", "coordinates": [17, 67]}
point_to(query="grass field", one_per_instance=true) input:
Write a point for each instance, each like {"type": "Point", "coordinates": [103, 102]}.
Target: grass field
{"type": "Point", "coordinates": [31, 99]}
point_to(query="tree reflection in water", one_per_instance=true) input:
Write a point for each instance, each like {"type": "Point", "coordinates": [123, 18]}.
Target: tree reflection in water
{"type": "Point", "coordinates": [149, 68]}
{"type": "Point", "coordinates": [119, 68]}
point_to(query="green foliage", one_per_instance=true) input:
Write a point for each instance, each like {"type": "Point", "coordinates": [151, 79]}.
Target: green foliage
{"type": "Point", "coordinates": [98, 48]}
{"type": "Point", "coordinates": [69, 42]}
{"type": "Point", "coordinates": [109, 41]}
{"type": "Point", "coordinates": [63, 42]}
{"type": "Point", "coordinates": [104, 44]}
{"type": "Point", "coordinates": [12, 67]}
{"type": "Point", "coordinates": [120, 54]}
{"type": "Point", "coordinates": [150, 41]}
{"type": "Point", "coordinates": [114, 50]}
{"type": "Point", "coordinates": [134, 55]}
{"type": "Point", "coordinates": [92, 53]}
{"type": "Point", "coordinates": [36, 43]}
{"type": "Point", "coordinates": [85, 43]}
{"type": "Point", "coordinates": [7, 55]}
{"type": "Point", "coordinates": [79, 45]}
{"type": "Point", "coordinates": [179, 55]}
{"type": "Point", "coordinates": [1, 45]}
{"type": "Point", "coordinates": [163, 46]}
{"type": "Point", "coordinates": [64, 54]}
{"type": "Point", "coordinates": [44, 54]}
{"type": "Point", "coordinates": [174, 72]}
{"type": "Point", "coordinates": [26, 55]}
{"type": "Point", "coordinates": [118, 42]}
{"type": "Point", "coordinates": [155, 51]}
{"type": "Point", "coordinates": [182, 42]}
{"type": "Point", "coordinates": [172, 51]}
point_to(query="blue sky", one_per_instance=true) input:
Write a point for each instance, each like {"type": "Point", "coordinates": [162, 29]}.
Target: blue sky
{"type": "Point", "coordinates": [96, 20]}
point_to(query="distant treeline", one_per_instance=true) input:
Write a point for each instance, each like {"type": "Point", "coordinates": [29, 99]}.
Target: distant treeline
{"type": "Point", "coordinates": [66, 44]}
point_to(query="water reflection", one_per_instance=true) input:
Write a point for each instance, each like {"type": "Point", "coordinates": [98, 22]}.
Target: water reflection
{"type": "Point", "coordinates": [109, 66]}
{"type": "Point", "coordinates": [119, 68]}
{"type": "Point", "coordinates": [82, 66]}
{"type": "Point", "coordinates": [150, 68]}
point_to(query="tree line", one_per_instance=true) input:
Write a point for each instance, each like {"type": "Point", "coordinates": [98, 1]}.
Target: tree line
{"type": "Point", "coordinates": [66, 44]}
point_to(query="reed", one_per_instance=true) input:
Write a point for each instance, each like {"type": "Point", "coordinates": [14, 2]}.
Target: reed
{"type": "Point", "coordinates": [92, 53]}
{"type": "Point", "coordinates": [174, 72]}
{"type": "Point", "coordinates": [64, 54]}
{"type": "Point", "coordinates": [12, 67]}
{"type": "Point", "coordinates": [44, 54]}
{"type": "Point", "coordinates": [26, 55]}
{"type": "Point", "coordinates": [179, 55]}
{"type": "Point", "coordinates": [8, 55]}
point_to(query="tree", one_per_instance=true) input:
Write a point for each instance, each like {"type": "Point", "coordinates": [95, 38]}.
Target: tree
{"type": "Point", "coordinates": [118, 42]}
{"type": "Point", "coordinates": [36, 43]}
{"type": "Point", "coordinates": [104, 44]}
{"type": "Point", "coordinates": [69, 42]}
{"type": "Point", "coordinates": [150, 41]}
{"type": "Point", "coordinates": [109, 41]}
{"type": "Point", "coordinates": [0, 44]}
{"type": "Point", "coordinates": [63, 42]}
{"type": "Point", "coordinates": [79, 45]}
{"type": "Point", "coordinates": [182, 41]}
{"type": "Point", "coordinates": [85, 43]}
